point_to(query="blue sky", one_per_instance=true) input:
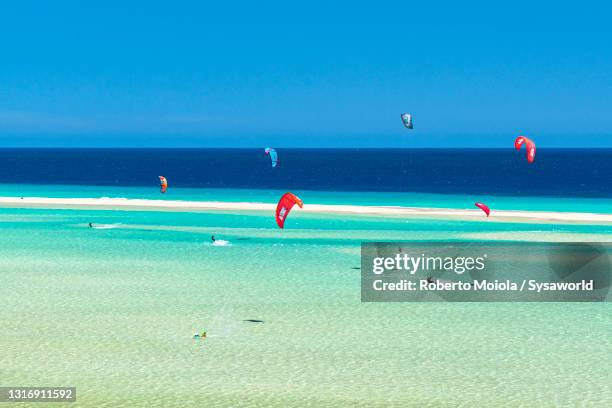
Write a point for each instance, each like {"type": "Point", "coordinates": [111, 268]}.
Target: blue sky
{"type": "Point", "coordinates": [312, 74]}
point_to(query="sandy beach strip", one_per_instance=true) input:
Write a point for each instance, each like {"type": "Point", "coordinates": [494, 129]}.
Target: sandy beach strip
{"type": "Point", "coordinates": [124, 204]}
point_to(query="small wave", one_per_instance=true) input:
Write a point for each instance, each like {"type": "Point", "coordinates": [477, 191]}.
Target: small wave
{"type": "Point", "coordinates": [105, 226]}
{"type": "Point", "coordinates": [113, 198]}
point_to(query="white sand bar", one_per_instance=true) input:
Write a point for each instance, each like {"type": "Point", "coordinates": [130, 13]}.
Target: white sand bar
{"type": "Point", "coordinates": [354, 210]}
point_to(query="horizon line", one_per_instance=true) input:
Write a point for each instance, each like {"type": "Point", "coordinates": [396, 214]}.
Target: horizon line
{"type": "Point", "coordinates": [300, 147]}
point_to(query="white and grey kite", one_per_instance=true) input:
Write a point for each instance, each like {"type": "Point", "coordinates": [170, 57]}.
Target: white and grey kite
{"type": "Point", "coordinates": [407, 119]}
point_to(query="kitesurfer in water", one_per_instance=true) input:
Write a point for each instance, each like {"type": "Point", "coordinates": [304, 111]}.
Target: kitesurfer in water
{"type": "Point", "coordinates": [90, 225]}
{"type": "Point", "coordinates": [212, 238]}
{"type": "Point", "coordinates": [202, 335]}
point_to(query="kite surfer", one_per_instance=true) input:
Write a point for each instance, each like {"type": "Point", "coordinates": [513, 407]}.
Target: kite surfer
{"type": "Point", "coordinates": [285, 204]}
{"type": "Point", "coordinates": [273, 155]}
{"type": "Point", "coordinates": [484, 208]}
{"type": "Point", "coordinates": [407, 120]}
{"type": "Point", "coordinates": [200, 335]}
{"type": "Point", "coordinates": [163, 184]}
{"type": "Point", "coordinates": [529, 146]}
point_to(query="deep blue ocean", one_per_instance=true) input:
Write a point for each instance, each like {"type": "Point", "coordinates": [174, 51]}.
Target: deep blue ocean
{"type": "Point", "coordinates": [556, 172]}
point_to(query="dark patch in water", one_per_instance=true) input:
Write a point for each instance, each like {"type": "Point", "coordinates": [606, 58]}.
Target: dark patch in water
{"type": "Point", "coordinates": [585, 173]}
{"type": "Point", "coordinates": [253, 321]}
{"type": "Point", "coordinates": [356, 268]}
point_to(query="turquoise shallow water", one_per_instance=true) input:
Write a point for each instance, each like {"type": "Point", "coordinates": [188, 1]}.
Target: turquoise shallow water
{"type": "Point", "coordinates": [113, 311]}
